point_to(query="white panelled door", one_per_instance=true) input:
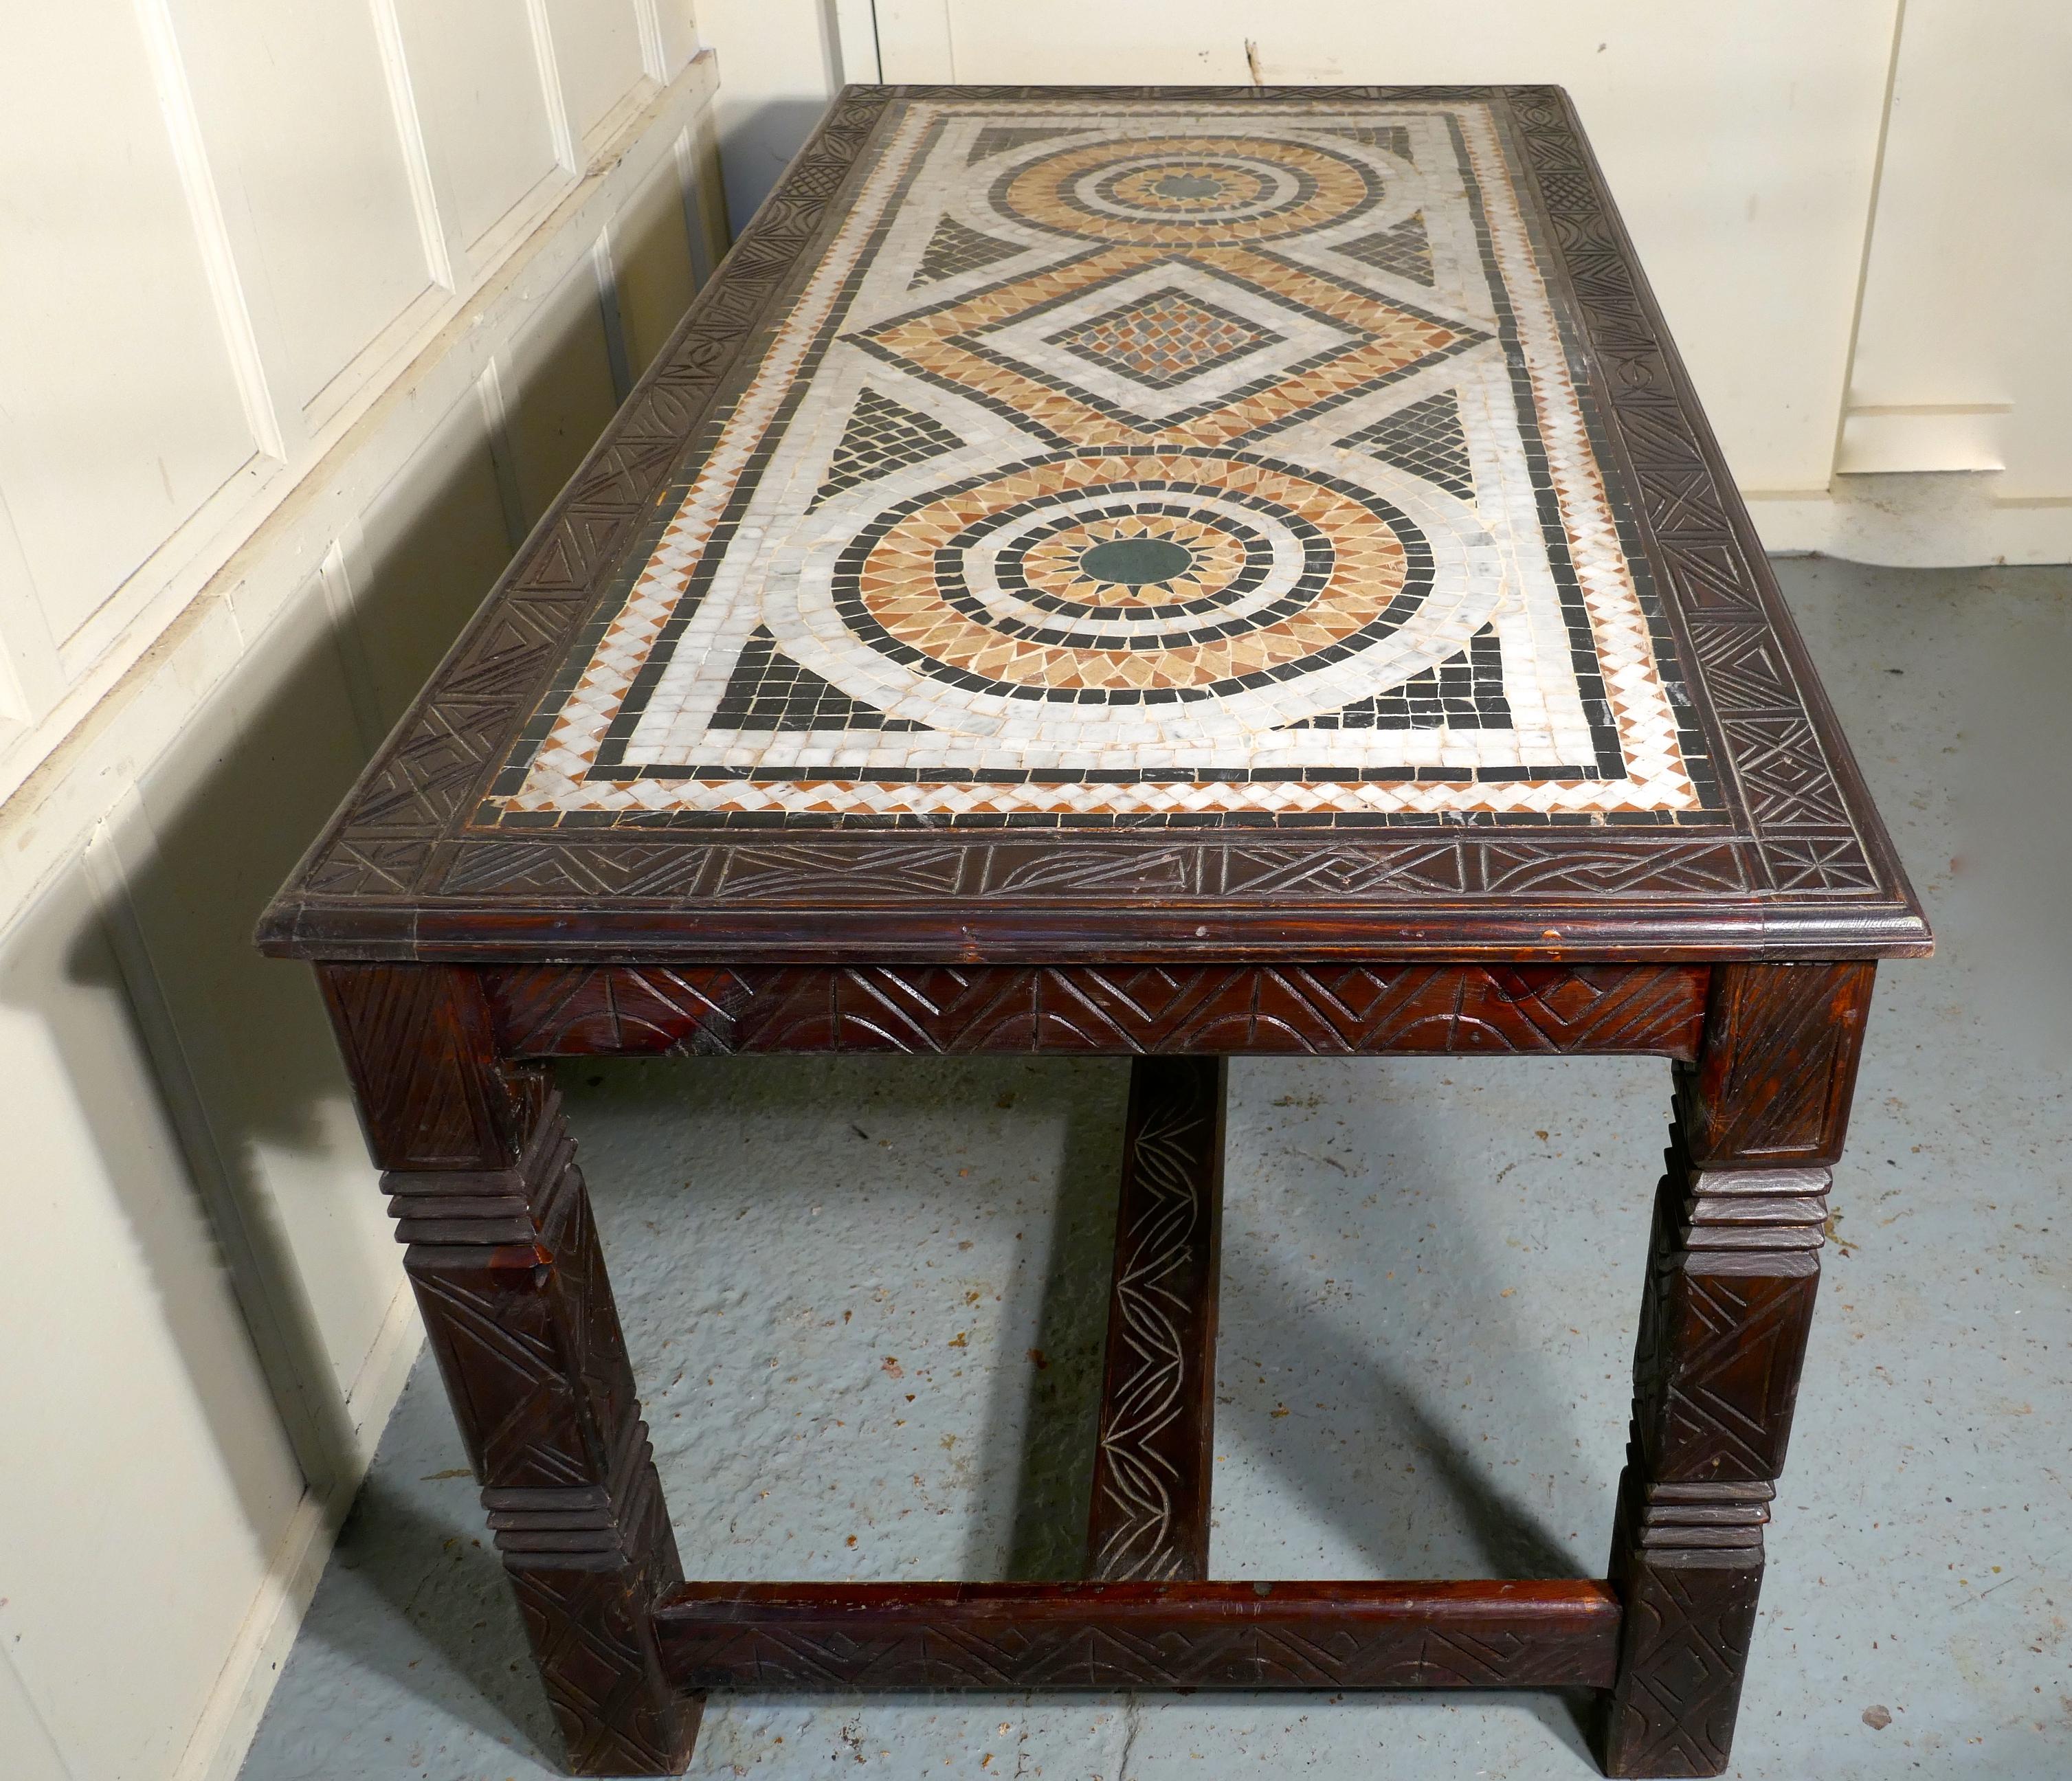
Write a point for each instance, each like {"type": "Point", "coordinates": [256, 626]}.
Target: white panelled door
{"type": "Point", "coordinates": [262, 213]}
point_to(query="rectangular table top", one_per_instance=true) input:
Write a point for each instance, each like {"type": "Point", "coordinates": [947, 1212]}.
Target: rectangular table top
{"type": "Point", "coordinates": [1145, 523]}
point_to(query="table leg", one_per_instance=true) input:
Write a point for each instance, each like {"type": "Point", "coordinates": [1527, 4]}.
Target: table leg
{"type": "Point", "coordinates": [1733, 1267]}
{"type": "Point", "coordinates": [1150, 1510]}
{"type": "Point", "coordinates": [511, 1281]}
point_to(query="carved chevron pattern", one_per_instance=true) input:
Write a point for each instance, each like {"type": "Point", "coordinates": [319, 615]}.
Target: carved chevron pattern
{"type": "Point", "coordinates": [592, 1638]}
{"type": "Point", "coordinates": [1723, 1330]}
{"type": "Point", "coordinates": [1689, 1599]}
{"type": "Point", "coordinates": [1211, 1635]}
{"type": "Point", "coordinates": [1733, 1267]}
{"type": "Point", "coordinates": [422, 786]}
{"type": "Point", "coordinates": [1150, 1516]}
{"type": "Point", "coordinates": [510, 1280]}
{"type": "Point", "coordinates": [1777, 761]}
{"type": "Point", "coordinates": [567, 1011]}
{"type": "Point", "coordinates": [1782, 1044]}
{"type": "Point", "coordinates": [1097, 1658]}
{"type": "Point", "coordinates": [416, 1040]}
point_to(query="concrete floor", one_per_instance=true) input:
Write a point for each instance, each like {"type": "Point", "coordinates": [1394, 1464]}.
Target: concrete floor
{"type": "Point", "coordinates": [865, 1301]}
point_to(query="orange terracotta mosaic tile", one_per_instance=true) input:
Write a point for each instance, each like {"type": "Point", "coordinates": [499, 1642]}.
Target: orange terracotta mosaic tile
{"type": "Point", "coordinates": [1179, 465]}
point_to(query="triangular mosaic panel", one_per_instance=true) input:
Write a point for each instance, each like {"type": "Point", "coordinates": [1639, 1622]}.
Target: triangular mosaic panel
{"type": "Point", "coordinates": [1390, 138]}
{"type": "Point", "coordinates": [954, 248]}
{"type": "Point", "coordinates": [768, 690]}
{"type": "Point", "coordinates": [999, 140]}
{"type": "Point", "coordinates": [1426, 440]}
{"type": "Point", "coordinates": [1405, 250]}
{"type": "Point", "coordinates": [1464, 692]}
{"type": "Point", "coordinates": [882, 436]}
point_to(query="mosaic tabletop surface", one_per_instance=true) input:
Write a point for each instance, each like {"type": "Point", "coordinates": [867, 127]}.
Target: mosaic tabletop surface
{"type": "Point", "coordinates": [1064, 465]}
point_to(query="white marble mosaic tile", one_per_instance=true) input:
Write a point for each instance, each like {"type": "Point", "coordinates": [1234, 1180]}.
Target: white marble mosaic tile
{"type": "Point", "coordinates": [1191, 462]}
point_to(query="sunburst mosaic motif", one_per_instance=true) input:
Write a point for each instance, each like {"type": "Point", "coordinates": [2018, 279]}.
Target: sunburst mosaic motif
{"type": "Point", "coordinates": [1171, 465]}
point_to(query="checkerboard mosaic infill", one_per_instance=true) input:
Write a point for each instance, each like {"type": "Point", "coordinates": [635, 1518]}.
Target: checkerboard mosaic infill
{"type": "Point", "coordinates": [1198, 465]}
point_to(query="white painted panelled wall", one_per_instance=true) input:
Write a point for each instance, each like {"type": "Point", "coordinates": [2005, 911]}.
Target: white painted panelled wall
{"type": "Point", "coordinates": [1854, 213]}
{"type": "Point", "coordinates": [306, 312]}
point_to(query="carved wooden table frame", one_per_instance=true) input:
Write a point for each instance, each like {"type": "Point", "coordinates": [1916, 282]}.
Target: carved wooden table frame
{"type": "Point", "coordinates": [463, 947]}
{"type": "Point", "coordinates": [449, 1064]}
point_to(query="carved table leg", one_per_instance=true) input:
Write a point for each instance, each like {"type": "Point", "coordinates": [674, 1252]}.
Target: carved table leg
{"type": "Point", "coordinates": [504, 1254]}
{"type": "Point", "coordinates": [1150, 1512]}
{"type": "Point", "coordinates": [1733, 1267]}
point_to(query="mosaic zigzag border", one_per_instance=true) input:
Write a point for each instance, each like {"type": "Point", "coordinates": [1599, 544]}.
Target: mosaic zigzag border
{"type": "Point", "coordinates": [1792, 881]}
{"type": "Point", "coordinates": [585, 768]}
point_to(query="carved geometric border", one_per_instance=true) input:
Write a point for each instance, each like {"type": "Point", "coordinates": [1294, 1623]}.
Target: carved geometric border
{"type": "Point", "coordinates": [1807, 869]}
{"type": "Point", "coordinates": [550, 1010]}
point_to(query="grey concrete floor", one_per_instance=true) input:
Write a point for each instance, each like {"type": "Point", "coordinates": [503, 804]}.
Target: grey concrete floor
{"type": "Point", "coordinates": [865, 1298]}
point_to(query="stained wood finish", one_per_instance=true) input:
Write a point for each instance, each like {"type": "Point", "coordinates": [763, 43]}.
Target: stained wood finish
{"type": "Point", "coordinates": [1140, 1636]}
{"type": "Point", "coordinates": [458, 954]}
{"type": "Point", "coordinates": [1154, 1460]}
{"type": "Point", "coordinates": [1778, 1070]}
{"type": "Point", "coordinates": [1733, 1266]}
{"type": "Point", "coordinates": [511, 1282]}
{"type": "Point", "coordinates": [1228, 1011]}
{"type": "Point", "coordinates": [422, 1051]}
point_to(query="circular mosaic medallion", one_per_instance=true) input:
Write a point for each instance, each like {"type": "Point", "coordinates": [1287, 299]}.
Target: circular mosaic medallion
{"type": "Point", "coordinates": [1130, 578]}
{"type": "Point", "coordinates": [1188, 190]}
{"type": "Point", "coordinates": [1151, 562]}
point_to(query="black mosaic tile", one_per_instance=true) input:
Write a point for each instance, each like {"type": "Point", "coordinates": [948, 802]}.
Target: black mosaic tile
{"type": "Point", "coordinates": [1390, 138]}
{"type": "Point", "coordinates": [999, 138]}
{"type": "Point", "coordinates": [955, 248]}
{"type": "Point", "coordinates": [1426, 440]}
{"type": "Point", "coordinates": [1465, 691]}
{"type": "Point", "coordinates": [1405, 249]}
{"type": "Point", "coordinates": [882, 436]}
{"type": "Point", "coordinates": [771, 691]}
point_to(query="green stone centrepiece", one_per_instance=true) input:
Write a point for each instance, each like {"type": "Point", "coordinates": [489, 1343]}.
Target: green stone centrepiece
{"type": "Point", "coordinates": [1133, 562]}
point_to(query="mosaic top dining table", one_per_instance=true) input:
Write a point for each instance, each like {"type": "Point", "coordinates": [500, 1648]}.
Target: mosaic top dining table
{"type": "Point", "coordinates": [1175, 573]}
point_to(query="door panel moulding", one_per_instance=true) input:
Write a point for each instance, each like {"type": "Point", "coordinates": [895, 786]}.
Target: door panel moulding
{"type": "Point", "coordinates": [125, 702]}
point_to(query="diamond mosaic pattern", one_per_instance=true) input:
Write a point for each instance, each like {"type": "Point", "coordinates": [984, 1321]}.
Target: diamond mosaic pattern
{"type": "Point", "coordinates": [1426, 440]}
{"type": "Point", "coordinates": [1165, 338]}
{"type": "Point", "coordinates": [1105, 530]}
